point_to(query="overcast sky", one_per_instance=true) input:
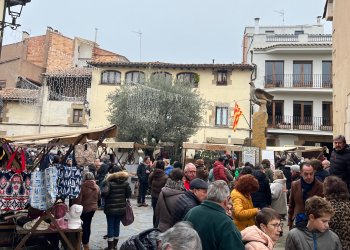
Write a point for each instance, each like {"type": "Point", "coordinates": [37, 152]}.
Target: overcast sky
{"type": "Point", "coordinates": [178, 31]}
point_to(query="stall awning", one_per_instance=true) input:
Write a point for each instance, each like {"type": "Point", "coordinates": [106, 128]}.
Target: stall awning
{"type": "Point", "coordinates": [64, 137]}
{"type": "Point", "coordinates": [281, 149]}
{"type": "Point", "coordinates": [211, 146]}
{"type": "Point", "coordinates": [295, 148]}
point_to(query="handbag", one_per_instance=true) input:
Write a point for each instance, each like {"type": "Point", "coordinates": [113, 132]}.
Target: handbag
{"type": "Point", "coordinates": [128, 217]}
{"type": "Point", "coordinates": [14, 185]}
{"type": "Point", "coordinates": [43, 188]}
{"type": "Point", "coordinates": [85, 154]}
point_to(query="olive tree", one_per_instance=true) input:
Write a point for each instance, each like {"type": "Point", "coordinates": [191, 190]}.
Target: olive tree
{"type": "Point", "coordinates": [158, 108]}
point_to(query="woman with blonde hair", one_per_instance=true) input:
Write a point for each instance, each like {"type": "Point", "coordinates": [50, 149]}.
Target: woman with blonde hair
{"type": "Point", "coordinates": [243, 209]}
{"type": "Point", "coordinates": [279, 193]}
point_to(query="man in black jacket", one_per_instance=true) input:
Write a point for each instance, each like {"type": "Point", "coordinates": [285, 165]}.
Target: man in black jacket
{"type": "Point", "coordinates": [262, 197]}
{"type": "Point", "coordinates": [191, 198]}
{"type": "Point", "coordinates": [340, 159]}
{"type": "Point", "coordinates": [142, 174]}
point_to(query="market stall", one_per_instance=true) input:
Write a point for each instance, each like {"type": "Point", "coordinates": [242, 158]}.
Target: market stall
{"type": "Point", "coordinates": [245, 154]}
{"type": "Point", "coordinates": [20, 186]}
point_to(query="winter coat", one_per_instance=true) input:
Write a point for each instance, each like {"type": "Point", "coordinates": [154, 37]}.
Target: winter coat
{"type": "Point", "coordinates": [178, 185]}
{"type": "Point", "coordinates": [321, 175]}
{"type": "Point", "coordinates": [262, 197]}
{"type": "Point", "coordinates": [296, 202]}
{"type": "Point", "coordinates": [340, 164]}
{"type": "Point", "coordinates": [142, 174]}
{"type": "Point", "coordinates": [279, 197]}
{"type": "Point", "coordinates": [119, 191]}
{"type": "Point", "coordinates": [302, 238]}
{"type": "Point", "coordinates": [156, 181]}
{"type": "Point", "coordinates": [339, 223]}
{"type": "Point", "coordinates": [185, 202]}
{"type": "Point", "coordinates": [214, 227]}
{"type": "Point", "coordinates": [219, 171]}
{"type": "Point", "coordinates": [167, 200]}
{"type": "Point", "coordinates": [288, 174]}
{"type": "Point", "coordinates": [243, 210]}
{"type": "Point", "coordinates": [255, 239]}
{"type": "Point", "coordinates": [89, 196]}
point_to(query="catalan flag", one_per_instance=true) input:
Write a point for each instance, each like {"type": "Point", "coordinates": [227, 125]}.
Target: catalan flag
{"type": "Point", "coordinates": [236, 114]}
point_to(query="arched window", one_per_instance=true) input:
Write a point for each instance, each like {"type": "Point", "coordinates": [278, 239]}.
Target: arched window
{"type": "Point", "coordinates": [188, 78]}
{"type": "Point", "coordinates": [135, 77]}
{"type": "Point", "coordinates": [162, 76]}
{"type": "Point", "coordinates": [111, 77]}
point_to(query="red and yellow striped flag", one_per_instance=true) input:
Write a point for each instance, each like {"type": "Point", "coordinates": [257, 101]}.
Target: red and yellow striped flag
{"type": "Point", "coordinates": [236, 114]}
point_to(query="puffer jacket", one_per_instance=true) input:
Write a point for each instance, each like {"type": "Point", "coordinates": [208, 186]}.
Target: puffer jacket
{"type": "Point", "coordinates": [255, 239]}
{"type": "Point", "coordinates": [185, 202]}
{"type": "Point", "coordinates": [279, 196]}
{"type": "Point", "coordinates": [219, 171]}
{"type": "Point", "coordinates": [167, 200]}
{"type": "Point", "coordinates": [262, 197]}
{"type": "Point", "coordinates": [156, 181]}
{"type": "Point", "coordinates": [119, 191]}
{"type": "Point", "coordinates": [340, 164]}
{"type": "Point", "coordinates": [243, 210]}
{"type": "Point", "coordinates": [89, 196]}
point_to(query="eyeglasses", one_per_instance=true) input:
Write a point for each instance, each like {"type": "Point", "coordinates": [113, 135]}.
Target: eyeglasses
{"type": "Point", "coordinates": [276, 225]}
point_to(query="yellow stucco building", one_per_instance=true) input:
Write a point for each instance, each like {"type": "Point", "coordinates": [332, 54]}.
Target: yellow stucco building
{"type": "Point", "coordinates": [338, 12]}
{"type": "Point", "coordinates": [219, 84]}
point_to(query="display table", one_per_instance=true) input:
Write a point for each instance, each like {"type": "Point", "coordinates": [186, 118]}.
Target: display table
{"type": "Point", "coordinates": [62, 232]}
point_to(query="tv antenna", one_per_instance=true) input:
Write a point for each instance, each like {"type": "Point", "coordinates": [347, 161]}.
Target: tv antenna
{"type": "Point", "coordinates": [140, 37]}
{"type": "Point", "coordinates": [281, 13]}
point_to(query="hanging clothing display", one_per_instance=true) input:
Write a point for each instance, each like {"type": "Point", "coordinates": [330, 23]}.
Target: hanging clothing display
{"type": "Point", "coordinates": [85, 154]}
{"type": "Point", "coordinates": [43, 190]}
{"type": "Point", "coordinates": [14, 185]}
{"type": "Point", "coordinates": [69, 182]}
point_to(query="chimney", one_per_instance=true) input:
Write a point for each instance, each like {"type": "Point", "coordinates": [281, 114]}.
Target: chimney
{"type": "Point", "coordinates": [25, 35]}
{"type": "Point", "coordinates": [256, 26]}
{"type": "Point", "coordinates": [319, 19]}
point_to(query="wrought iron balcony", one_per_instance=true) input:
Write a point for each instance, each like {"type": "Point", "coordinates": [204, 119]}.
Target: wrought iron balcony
{"type": "Point", "coordinates": [298, 81]}
{"type": "Point", "coordinates": [300, 123]}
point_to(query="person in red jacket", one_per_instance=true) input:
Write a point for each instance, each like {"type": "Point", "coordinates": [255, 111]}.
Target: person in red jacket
{"type": "Point", "coordinates": [219, 169]}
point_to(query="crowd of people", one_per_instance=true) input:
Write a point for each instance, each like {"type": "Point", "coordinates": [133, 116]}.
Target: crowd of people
{"type": "Point", "coordinates": [224, 207]}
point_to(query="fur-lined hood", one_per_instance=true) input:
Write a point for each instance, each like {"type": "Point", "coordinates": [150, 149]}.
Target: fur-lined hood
{"type": "Point", "coordinates": [118, 176]}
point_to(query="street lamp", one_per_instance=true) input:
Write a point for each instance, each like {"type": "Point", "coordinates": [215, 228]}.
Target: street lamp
{"type": "Point", "coordinates": [14, 8]}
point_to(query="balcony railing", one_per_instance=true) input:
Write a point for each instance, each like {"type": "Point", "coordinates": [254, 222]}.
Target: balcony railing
{"type": "Point", "coordinates": [300, 123]}
{"type": "Point", "coordinates": [295, 38]}
{"type": "Point", "coordinates": [298, 81]}
{"type": "Point", "coordinates": [319, 38]}
{"type": "Point", "coordinates": [282, 38]}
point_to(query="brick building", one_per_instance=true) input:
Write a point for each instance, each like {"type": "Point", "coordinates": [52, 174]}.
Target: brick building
{"type": "Point", "coordinates": [48, 53]}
